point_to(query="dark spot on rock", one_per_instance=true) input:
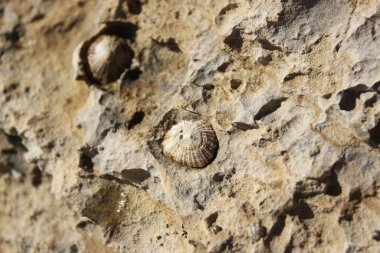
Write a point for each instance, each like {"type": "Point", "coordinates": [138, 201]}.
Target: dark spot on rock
{"type": "Point", "coordinates": [226, 246]}
{"type": "Point", "coordinates": [206, 91]}
{"type": "Point", "coordinates": [15, 35]}
{"type": "Point", "coordinates": [86, 154]}
{"type": "Point", "coordinates": [267, 45]}
{"type": "Point", "coordinates": [83, 224]}
{"type": "Point", "coordinates": [137, 176]}
{"type": "Point", "coordinates": [15, 139]}
{"type": "Point", "coordinates": [134, 6]}
{"type": "Point", "coordinates": [244, 126]}
{"type": "Point", "coordinates": [333, 187]}
{"type": "Point", "coordinates": [36, 177]}
{"type": "Point", "coordinates": [371, 101]}
{"type": "Point", "coordinates": [170, 44]}
{"type": "Point", "coordinates": [74, 248]}
{"type": "Point", "coordinates": [211, 219]}
{"type": "Point", "coordinates": [198, 205]}
{"type": "Point", "coordinates": [374, 135]}
{"type": "Point", "coordinates": [234, 40]}
{"type": "Point", "coordinates": [376, 87]}
{"type": "Point", "coordinates": [222, 68]}
{"type": "Point", "coordinates": [126, 30]}
{"type": "Point", "coordinates": [302, 210]}
{"type": "Point", "coordinates": [228, 8]}
{"type": "Point", "coordinates": [37, 17]}
{"type": "Point", "coordinates": [349, 96]}
{"type": "Point", "coordinates": [292, 76]}
{"type": "Point", "coordinates": [376, 235]}
{"type": "Point", "coordinates": [10, 88]}
{"type": "Point", "coordinates": [235, 83]}
{"type": "Point", "coordinates": [269, 108]}
{"type": "Point", "coordinates": [218, 177]}
{"type": "Point", "coordinates": [216, 229]}
{"type": "Point", "coordinates": [137, 118]}
{"type": "Point", "coordinates": [327, 96]}
{"type": "Point", "coordinates": [132, 74]}
{"type": "Point", "coordinates": [355, 195]}
{"type": "Point", "coordinates": [276, 229]}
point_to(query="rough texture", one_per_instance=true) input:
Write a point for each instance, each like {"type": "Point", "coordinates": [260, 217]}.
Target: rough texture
{"type": "Point", "coordinates": [291, 88]}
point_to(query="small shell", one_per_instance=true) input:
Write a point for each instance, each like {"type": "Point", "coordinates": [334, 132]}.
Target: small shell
{"type": "Point", "coordinates": [191, 143]}
{"type": "Point", "coordinates": [108, 57]}
{"type": "Point", "coordinates": [104, 57]}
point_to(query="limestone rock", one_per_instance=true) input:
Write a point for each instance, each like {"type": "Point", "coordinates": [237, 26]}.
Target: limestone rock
{"type": "Point", "coordinates": [291, 88]}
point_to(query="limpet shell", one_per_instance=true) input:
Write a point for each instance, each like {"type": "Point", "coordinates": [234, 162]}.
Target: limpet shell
{"type": "Point", "coordinates": [104, 57]}
{"type": "Point", "coordinates": [191, 143]}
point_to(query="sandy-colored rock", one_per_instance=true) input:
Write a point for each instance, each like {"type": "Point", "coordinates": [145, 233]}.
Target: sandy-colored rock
{"type": "Point", "coordinates": [291, 89]}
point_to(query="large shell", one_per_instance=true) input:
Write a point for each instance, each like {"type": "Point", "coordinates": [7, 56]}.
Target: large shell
{"type": "Point", "coordinates": [191, 143]}
{"type": "Point", "coordinates": [104, 57]}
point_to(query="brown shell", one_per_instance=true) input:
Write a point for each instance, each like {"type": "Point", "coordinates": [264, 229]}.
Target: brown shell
{"type": "Point", "coordinates": [191, 143]}
{"type": "Point", "coordinates": [103, 58]}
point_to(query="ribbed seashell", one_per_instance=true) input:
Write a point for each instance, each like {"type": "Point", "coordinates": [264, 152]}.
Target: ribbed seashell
{"type": "Point", "coordinates": [104, 57]}
{"type": "Point", "coordinates": [191, 143]}
{"type": "Point", "coordinates": [108, 57]}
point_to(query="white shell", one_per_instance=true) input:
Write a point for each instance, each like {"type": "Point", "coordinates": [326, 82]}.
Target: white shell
{"type": "Point", "coordinates": [191, 143]}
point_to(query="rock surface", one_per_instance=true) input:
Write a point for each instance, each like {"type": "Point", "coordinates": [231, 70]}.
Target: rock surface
{"type": "Point", "coordinates": [291, 88]}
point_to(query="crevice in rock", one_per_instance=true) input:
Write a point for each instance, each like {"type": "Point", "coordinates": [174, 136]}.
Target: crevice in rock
{"type": "Point", "coordinates": [269, 108]}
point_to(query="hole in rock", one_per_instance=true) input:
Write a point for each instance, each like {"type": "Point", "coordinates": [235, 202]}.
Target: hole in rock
{"type": "Point", "coordinates": [333, 187]}
{"type": "Point", "coordinates": [349, 96]}
{"type": "Point", "coordinates": [235, 83]}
